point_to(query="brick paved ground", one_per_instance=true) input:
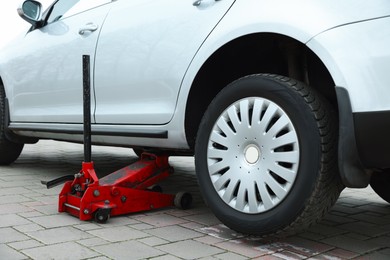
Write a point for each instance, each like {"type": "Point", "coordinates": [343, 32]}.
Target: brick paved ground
{"type": "Point", "coordinates": [30, 227]}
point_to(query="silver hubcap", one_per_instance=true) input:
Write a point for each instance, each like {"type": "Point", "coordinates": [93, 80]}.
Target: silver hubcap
{"type": "Point", "coordinates": [253, 155]}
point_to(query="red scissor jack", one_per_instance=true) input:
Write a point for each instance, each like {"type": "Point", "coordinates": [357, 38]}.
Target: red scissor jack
{"type": "Point", "coordinates": [128, 190]}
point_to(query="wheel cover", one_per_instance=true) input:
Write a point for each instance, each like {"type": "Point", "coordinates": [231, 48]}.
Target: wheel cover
{"type": "Point", "coordinates": [253, 155]}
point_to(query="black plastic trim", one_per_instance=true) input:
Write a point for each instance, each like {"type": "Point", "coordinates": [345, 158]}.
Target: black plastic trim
{"type": "Point", "coordinates": [141, 134]}
{"type": "Point", "coordinates": [373, 138]}
{"type": "Point", "coordinates": [352, 171]}
{"type": "Point", "coordinates": [144, 133]}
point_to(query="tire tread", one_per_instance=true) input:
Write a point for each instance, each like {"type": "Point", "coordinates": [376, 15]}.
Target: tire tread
{"type": "Point", "coordinates": [328, 186]}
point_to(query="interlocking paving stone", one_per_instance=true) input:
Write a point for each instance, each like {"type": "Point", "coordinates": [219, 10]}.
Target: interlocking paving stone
{"type": "Point", "coordinates": [193, 225]}
{"type": "Point", "coordinates": [381, 240]}
{"type": "Point", "coordinates": [221, 231]}
{"type": "Point", "coordinates": [174, 233]}
{"type": "Point", "coordinates": [58, 235]}
{"type": "Point", "coordinates": [153, 241]}
{"type": "Point", "coordinates": [128, 250]}
{"type": "Point", "coordinates": [13, 208]}
{"type": "Point", "coordinates": [25, 244]}
{"type": "Point", "coordinates": [376, 220]}
{"type": "Point", "coordinates": [365, 228]}
{"type": "Point", "coordinates": [65, 251]}
{"type": "Point", "coordinates": [338, 219]}
{"type": "Point", "coordinates": [9, 253]}
{"type": "Point", "coordinates": [99, 258]}
{"type": "Point", "coordinates": [142, 226]}
{"type": "Point", "coordinates": [250, 248]}
{"type": "Point", "coordinates": [165, 257]}
{"type": "Point", "coordinates": [289, 255]}
{"type": "Point", "coordinates": [58, 220]}
{"type": "Point", "coordinates": [30, 214]}
{"type": "Point", "coordinates": [9, 199]}
{"type": "Point", "coordinates": [209, 240]}
{"type": "Point", "coordinates": [230, 256]}
{"type": "Point", "coordinates": [326, 230]}
{"type": "Point", "coordinates": [87, 226]}
{"type": "Point", "coordinates": [91, 242]}
{"type": "Point", "coordinates": [337, 254]}
{"type": "Point", "coordinates": [304, 246]}
{"type": "Point", "coordinates": [267, 257]}
{"type": "Point", "coordinates": [374, 256]}
{"type": "Point", "coordinates": [119, 222]}
{"type": "Point", "coordinates": [206, 219]}
{"type": "Point", "coordinates": [11, 235]}
{"type": "Point", "coordinates": [9, 220]}
{"type": "Point", "coordinates": [358, 227]}
{"type": "Point", "coordinates": [385, 251]}
{"type": "Point", "coordinates": [375, 208]}
{"type": "Point", "coordinates": [161, 220]}
{"type": "Point", "coordinates": [116, 234]}
{"type": "Point", "coordinates": [29, 227]}
{"type": "Point", "coordinates": [13, 191]}
{"type": "Point", "coordinates": [312, 236]}
{"type": "Point", "coordinates": [189, 249]}
{"type": "Point", "coordinates": [351, 244]}
{"type": "Point", "coordinates": [46, 209]}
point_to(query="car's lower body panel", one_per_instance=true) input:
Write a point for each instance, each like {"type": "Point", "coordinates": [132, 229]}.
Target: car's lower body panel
{"type": "Point", "coordinates": [113, 135]}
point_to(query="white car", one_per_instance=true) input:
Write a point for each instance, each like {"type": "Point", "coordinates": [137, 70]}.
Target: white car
{"type": "Point", "coordinates": [283, 103]}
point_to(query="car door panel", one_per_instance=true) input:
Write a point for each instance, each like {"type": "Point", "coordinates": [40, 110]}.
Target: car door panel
{"type": "Point", "coordinates": [48, 89]}
{"type": "Point", "coordinates": [144, 50]}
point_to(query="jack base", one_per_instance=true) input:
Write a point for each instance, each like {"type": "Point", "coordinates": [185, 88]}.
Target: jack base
{"type": "Point", "coordinates": [122, 192]}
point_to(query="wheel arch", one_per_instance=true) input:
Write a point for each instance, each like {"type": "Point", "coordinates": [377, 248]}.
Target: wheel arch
{"type": "Point", "coordinates": [9, 135]}
{"type": "Point", "coordinates": [283, 55]}
{"type": "Point", "coordinates": [250, 54]}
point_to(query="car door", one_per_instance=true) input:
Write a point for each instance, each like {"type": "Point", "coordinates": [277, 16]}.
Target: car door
{"type": "Point", "coordinates": [144, 50]}
{"type": "Point", "coordinates": [47, 64]}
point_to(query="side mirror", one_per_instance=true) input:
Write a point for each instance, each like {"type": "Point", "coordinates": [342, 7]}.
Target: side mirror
{"type": "Point", "coordinates": [31, 11]}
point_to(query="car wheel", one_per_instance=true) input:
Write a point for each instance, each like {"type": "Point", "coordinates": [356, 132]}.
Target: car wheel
{"type": "Point", "coordinates": [265, 156]}
{"type": "Point", "coordinates": [380, 183]}
{"type": "Point", "coordinates": [9, 151]}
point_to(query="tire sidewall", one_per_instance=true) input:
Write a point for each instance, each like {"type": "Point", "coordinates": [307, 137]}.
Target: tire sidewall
{"type": "Point", "coordinates": [309, 145]}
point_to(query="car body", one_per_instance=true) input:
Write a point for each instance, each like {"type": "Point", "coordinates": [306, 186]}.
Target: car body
{"type": "Point", "coordinates": [160, 70]}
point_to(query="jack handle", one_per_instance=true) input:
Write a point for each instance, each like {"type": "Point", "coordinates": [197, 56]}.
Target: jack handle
{"type": "Point", "coordinates": [58, 181]}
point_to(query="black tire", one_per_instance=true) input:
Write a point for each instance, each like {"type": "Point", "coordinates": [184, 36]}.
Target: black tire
{"type": "Point", "coordinates": [9, 151]}
{"type": "Point", "coordinates": [183, 200]}
{"type": "Point", "coordinates": [380, 183]}
{"type": "Point", "coordinates": [156, 188]}
{"type": "Point", "coordinates": [245, 197]}
{"type": "Point", "coordinates": [102, 215]}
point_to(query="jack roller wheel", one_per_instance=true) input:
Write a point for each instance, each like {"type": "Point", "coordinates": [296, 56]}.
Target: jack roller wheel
{"type": "Point", "coordinates": [156, 188]}
{"type": "Point", "coordinates": [102, 215]}
{"type": "Point", "coordinates": [183, 200]}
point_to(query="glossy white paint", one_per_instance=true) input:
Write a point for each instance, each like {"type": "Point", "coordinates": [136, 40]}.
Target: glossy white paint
{"type": "Point", "coordinates": [363, 67]}
{"type": "Point", "coordinates": [303, 20]}
{"type": "Point", "coordinates": [45, 69]}
{"type": "Point", "coordinates": [144, 50]}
